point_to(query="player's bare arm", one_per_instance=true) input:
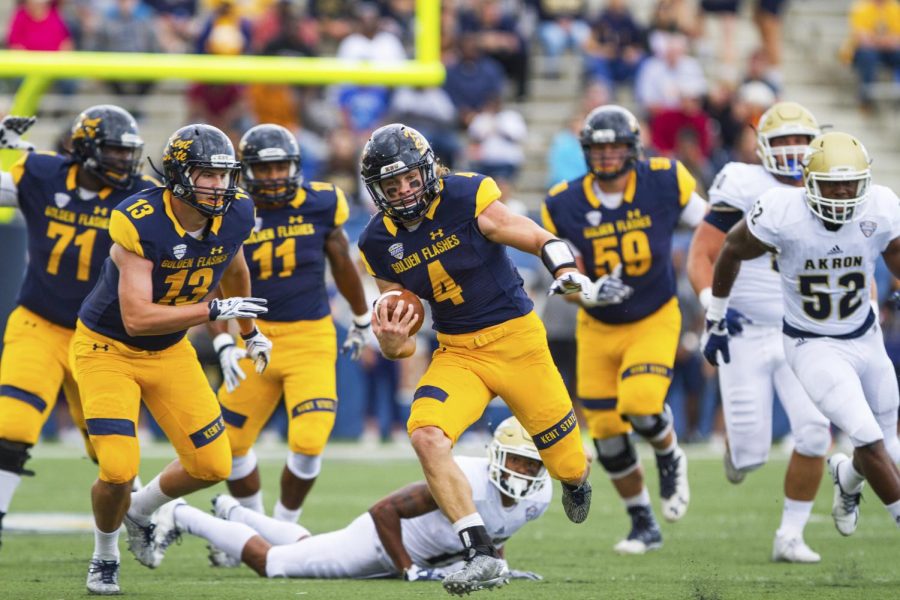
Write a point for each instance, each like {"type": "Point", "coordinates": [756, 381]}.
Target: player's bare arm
{"type": "Point", "coordinates": [891, 257]}
{"type": "Point", "coordinates": [346, 277]}
{"type": "Point", "coordinates": [393, 333]}
{"type": "Point", "coordinates": [236, 282]}
{"type": "Point", "coordinates": [740, 245]}
{"type": "Point", "coordinates": [406, 503]}
{"type": "Point", "coordinates": [502, 226]}
{"type": "Point", "coordinates": [705, 247]}
{"type": "Point", "coordinates": [140, 315]}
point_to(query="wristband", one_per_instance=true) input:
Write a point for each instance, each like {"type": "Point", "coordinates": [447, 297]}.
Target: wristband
{"type": "Point", "coordinates": [222, 341]}
{"type": "Point", "coordinates": [362, 321]}
{"type": "Point", "coordinates": [704, 297]}
{"type": "Point", "coordinates": [717, 308]}
{"type": "Point", "coordinates": [556, 255]}
{"type": "Point", "coordinates": [247, 336]}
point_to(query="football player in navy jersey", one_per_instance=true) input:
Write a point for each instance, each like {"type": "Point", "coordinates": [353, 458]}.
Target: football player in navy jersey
{"type": "Point", "coordinates": [172, 247]}
{"type": "Point", "coordinates": [621, 216]}
{"type": "Point", "coordinates": [443, 237]}
{"type": "Point", "coordinates": [298, 227]}
{"type": "Point", "coordinates": [66, 202]}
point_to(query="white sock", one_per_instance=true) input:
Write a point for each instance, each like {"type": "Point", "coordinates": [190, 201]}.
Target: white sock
{"type": "Point", "coordinates": [228, 536]}
{"type": "Point", "coordinates": [253, 502]}
{"type": "Point", "coordinates": [642, 499]}
{"type": "Point", "coordinates": [274, 531]}
{"type": "Point", "coordinates": [8, 484]}
{"type": "Point", "coordinates": [850, 479]}
{"type": "Point", "coordinates": [145, 502]}
{"type": "Point", "coordinates": [894, 509]}
{"type": "Point", "coordinates": [106, 545]}
{"type": "Point", "coordinates": [794, 516]}
{"type": "Point", "coordinates": [473, 520]}
{"type": "Point", "coordinates": [285, 514]}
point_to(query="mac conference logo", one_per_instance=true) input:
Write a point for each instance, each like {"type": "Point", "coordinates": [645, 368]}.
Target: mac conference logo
{"type": "Point", "coordinates": [179, 251]}
{"type": "Point", "coordinates": [396, 250]}
{"type": "Point", "coordinates": [593, 217]}
{"type": "Point", "coordinates": [61, 200]}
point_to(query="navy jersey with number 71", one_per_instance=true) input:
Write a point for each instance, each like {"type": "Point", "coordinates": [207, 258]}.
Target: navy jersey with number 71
{"type": "Point", "coordinates": [468, 280]}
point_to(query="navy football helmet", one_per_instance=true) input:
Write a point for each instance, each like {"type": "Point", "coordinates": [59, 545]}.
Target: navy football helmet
{"type": "Point", "coordinates": [611, 124]}
{"type": "Point", "coordinates": [107, 144]}
{"type": "Point", "coordinates": [266, 144]}
{"type": "Point", "coordinates": [196, 147]}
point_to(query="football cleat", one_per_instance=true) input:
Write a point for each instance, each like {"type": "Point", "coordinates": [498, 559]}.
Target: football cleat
{"type": "Point", "coordinates": [732, 473]}
{"type": "Point", "coordinates": [577, 501]}
{"type": "Point", "coordinates": [644, 535]}
{"type": "Point", "coordinates": [673, 484]}
{"type": "Point", "coordinates": [103, 577]}
{"type": "Point", "coordinates": [481, 572]}
{"type": "Point", "coordinates": [165, 530]}
{"type": "Point", "coordinates": [222, 505]}
{"type": "Point", "coordinates": [845, 507]}
{"type": "Point", "coordinates": [792, 549]}
{"type": "Point", "coordinates": [141, 542]}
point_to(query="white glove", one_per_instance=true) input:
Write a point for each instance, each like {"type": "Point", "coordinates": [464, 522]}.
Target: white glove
{"type": "Point", "coordinates": [417, 573]}
{"type": "Point", "coordinates": [11, 131]}
{"type": "Point", "coordinates": [607, 290]}
{"type": "Point", "coordinates": [570, 283]}
{"type": "Point", "coordinates": [259, 349]}
{"type": "Point", "coordinates": [237, 308]}
{"type": "Point", "coordinates": [229, 355]}
{"type": "Point", "coordinates": [358, 335]}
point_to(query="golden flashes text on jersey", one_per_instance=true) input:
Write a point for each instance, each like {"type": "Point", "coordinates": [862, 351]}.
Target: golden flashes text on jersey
{"type": "Point", "coordinates": [633, 220]}
{"type": "Point", "coordinates": [189, 263]}
{"type": "Point", "coordinates": [282, 231]}
{"type": "Point", "coordinates": [428, 252]}
{"type": "Point", "coordinates": [68, 216]}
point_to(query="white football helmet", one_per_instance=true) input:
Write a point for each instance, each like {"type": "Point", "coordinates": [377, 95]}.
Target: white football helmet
{"type": "Point", "coordinates": [511, 438]}
{"type": "Point", "coordinates": [784, 118]}
{"type": "Point", "coordinates": [835, 157]}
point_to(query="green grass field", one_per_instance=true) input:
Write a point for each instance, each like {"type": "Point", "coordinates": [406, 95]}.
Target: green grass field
{"type": "Point", "coordinates": [719, 551]}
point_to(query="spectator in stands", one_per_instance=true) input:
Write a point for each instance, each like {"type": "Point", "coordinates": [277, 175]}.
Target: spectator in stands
{"type": "Point", "coordinates": [333, 17]}
{"type": "Point", "coordinates": [561, 26]}
{"type": "Point", "coordinates": [364, 107]}
{"type": "Point", "coordinates": [37, 25]}
{"type": "Point", "coordinates": [500, 39]}
{"type": "Point", "coordinates": [175, 23]}
{"type": "Point", "coordinates": [472, 79]}
{"type": "Point", "coordinates": [670, 70]}
{"type": "Point", "coordinates": [614, 50]}
{"type": "Point", "coordinates": [497, 136]}
{"type": "Point", "coordinates": [674, 15]}
{"type": "Point", "coordinates": [875, 39]}
{"type": "Point", "coordinates": [127, 27]}
{"type": "Point", "coordinates": [400, 19]}
{"type": "Point", "coordinates": [224, 31]}
{"type": "Point", "coordinates": [430, 111]}
{"type": "Point", "coordinates": [283, 30]}
{"type": "Point", "coordinates": [725, 11]}
{"type": "Point", "coordinates": [768, 18]}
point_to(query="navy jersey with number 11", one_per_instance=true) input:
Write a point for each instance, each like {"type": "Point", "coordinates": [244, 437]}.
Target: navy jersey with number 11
{"type": "Point", "coordinates": [468, 280]}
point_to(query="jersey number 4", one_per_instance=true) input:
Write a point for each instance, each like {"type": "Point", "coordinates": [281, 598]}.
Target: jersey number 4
{"type": "Point", "coordinates": [818, 303]}
{"type": "Point", "coordinates": [635, 253]}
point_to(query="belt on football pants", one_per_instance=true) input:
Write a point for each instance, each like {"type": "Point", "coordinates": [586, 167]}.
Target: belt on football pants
{"type": "Point", "coordinates": [793, 332]}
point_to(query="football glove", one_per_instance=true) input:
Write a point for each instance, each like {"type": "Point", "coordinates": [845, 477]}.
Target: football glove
{"type": "Point", "coordinates": [715, 341]}
{"type": "Point", "coordinates": [236, 308]}
{"type": "Point", "coordinates": [229, 355]}
{"type": "Point", "coordinates": [735, 321]}
{"type": "Point", "coordinates": [570, 282]}
{"type": "Point", "coordinates": [259, 349]}
{"type": "Point", "coordinates": [529, 575]}
{"type": "Point", "coordinates": [11, 131]}
{"type": "Point", "coordinates": [609, 289]}
{"type": "Point", "coordinates": [417, 573]}
{"type": "Point", "coordinates": [358, 335]}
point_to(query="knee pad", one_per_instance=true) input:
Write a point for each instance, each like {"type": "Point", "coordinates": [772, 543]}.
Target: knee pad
{"type": "Point", "coordinates": [812, 439]}
{"type": "Point", "coordinates": [617, 455]}
{"type": "Point", "coordinates": [304, 466]}
{"type": "Point", "coordinates": [652, 427]}
{"type": "Point", "coordinates": [13, 456]}
{"type": "Point", "coordinates": [241, 466]}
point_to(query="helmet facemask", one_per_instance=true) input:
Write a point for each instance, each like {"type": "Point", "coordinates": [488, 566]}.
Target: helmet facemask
{"type": "Point", "coordinates": [210, 201]}
{"type": "Point", "coordinates": [114, 163]}
{"type": "Point", "coordinates": [783, 161]}
{"type": "Point", "coordinates": [510, 482]}
{"type": "Point", "coordinates": [837, 210]}
{"type": "Point", "coordinates": [413, 205]}
{"type": "Point", "coordinates": [272, 192]}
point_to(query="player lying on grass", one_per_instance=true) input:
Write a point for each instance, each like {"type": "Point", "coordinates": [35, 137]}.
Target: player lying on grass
{"type": "Point", "coordinates": [404, 534]}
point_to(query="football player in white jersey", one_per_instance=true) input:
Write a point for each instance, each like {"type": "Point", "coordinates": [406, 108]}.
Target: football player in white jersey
{"type": "Point", "coordinates": [403, 535]}
{"type": "Point", "coordinates": [758, 368]}
{"type": "Point", "coordinates": [827, 238]}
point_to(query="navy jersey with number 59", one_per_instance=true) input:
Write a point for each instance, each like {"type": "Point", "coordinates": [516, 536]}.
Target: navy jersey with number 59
{"type": "Point", "coordinates": [469, 280]}
{"type": "Point", "coordinates": [638, 233]}
{"type": "Point", "coordinates": [68, 237]}
{"type": "Point", "coordinates": [185, 269]}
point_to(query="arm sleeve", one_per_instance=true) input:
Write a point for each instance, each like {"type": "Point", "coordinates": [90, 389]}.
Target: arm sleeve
{"type": "Point", "coordinates": [124, 233]}
{"type": "Point", "coordinates": [723, 217]}
{"type": "Point", "coordinates": [9, 192]}
{"type": "Point", "coordinates": [694, 210]}
{"type": "Point", "coordinates": [761, 223]}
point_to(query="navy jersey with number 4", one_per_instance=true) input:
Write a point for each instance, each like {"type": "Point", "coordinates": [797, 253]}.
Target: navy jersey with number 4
{"type": "Point", "coordinates": [185, 269]}
{"type": "Point", "coordinates": [638, 233]}
{"type": "Point", "coordinates": [286, 252]}
{"type": "Point", "coordinates": [68, 237]}
{"type": "Point", "coordinates": [469, 281]}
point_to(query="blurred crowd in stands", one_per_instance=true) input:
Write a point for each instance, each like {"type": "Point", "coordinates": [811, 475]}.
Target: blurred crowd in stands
{"type": "Point", "coordinates": [697, 102]}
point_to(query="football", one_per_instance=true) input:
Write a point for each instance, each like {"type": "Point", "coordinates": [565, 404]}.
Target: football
{"type": "Point", "coordinates": [393, 297]}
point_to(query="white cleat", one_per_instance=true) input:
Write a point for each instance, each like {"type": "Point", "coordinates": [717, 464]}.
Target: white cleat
{"type": "Point", "coordinates": [845, 507]}
{"type": "Point", "coordinates": [673, 484]}
{"type": "Point", "coordinates": [481, 572]}
{"type": "Point", "coordinates": [103, 577]}
{"type": "Point", "coordinates": [792, 549]}
{"type": "Point", "coordinates": [222, 506]}
{"type": "Point", "coordinates": [142, 543]}
{"type": "Point", "coordinates": [732, 473]}
{"type": "Point", "coordinates": [166, 531]}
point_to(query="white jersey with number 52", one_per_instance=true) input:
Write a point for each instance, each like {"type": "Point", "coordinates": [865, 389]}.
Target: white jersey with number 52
{"type": "Point", "coordinates": [825, 275]}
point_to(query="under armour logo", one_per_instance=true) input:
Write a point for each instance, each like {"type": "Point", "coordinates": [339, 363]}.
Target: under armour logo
{"type": "Point", "coordinates": [101, 210]}
{"type": "Point", "coordinates": [295, 219]}
{"type": "Point", "coordinates": [217, 250]}
{"type": "Point", "coordinates": [438, 233]}
{"type": "Point", "coordinates": [104, 347]}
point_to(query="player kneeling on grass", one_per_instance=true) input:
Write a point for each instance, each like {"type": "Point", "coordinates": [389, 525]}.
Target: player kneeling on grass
{"type": "Point", "coordinates": [404, 534]}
